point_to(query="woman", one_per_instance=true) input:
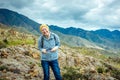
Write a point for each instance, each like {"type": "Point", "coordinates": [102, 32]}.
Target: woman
{"type": "Point", "coordinates": [48, 44]}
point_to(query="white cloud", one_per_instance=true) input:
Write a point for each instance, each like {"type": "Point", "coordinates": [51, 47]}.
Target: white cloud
{"type": "Point", "coordinates": [89, 14]}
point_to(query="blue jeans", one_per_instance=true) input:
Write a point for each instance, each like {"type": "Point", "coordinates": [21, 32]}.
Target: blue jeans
{"type": "Point", "coordinates": [55, 68]}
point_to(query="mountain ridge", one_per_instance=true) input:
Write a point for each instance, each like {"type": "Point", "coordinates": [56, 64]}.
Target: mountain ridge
{"type": "Point", "coordinates": [104, 38]}
{"type": "Point", "coordinates": [12, 18]}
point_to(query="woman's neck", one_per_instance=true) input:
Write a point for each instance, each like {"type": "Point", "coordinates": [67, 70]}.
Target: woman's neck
{"type": "Point", "coordinates": [47, 36]}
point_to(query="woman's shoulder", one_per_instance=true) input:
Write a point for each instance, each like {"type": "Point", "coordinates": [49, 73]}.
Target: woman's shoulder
{"type": "Point", "coordinates": [41, 36]}
{"type": "Point", "coordinates": [54, 34]}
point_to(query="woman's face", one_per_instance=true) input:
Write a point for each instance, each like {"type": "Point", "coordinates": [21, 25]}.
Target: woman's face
{"type": "Point", "coordinates": [45, 31]}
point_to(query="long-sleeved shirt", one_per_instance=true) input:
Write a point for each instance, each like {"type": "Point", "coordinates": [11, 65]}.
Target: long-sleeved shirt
{"type": "Point", "coordinates": [48, 44]}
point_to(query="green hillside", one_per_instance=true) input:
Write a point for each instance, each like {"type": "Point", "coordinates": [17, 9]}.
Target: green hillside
{"type": "Point", "coordinates": [20, 56]}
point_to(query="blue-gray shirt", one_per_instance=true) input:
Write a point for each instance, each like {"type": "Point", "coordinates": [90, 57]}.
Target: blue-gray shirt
{"type": "Point", "coordinates": [48, 44]}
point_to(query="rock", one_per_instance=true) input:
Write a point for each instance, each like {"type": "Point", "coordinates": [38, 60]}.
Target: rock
{"type": "Point", "coordinates": [15, 70]}
{"type": "Point", "coordinates": [4, 54]}
{"type": "Point", "coordinates": [21, 63]}
{"type": "Point", "coordinates": [35, 55]}
{"type": "Point", "coordinates": [33, 72]}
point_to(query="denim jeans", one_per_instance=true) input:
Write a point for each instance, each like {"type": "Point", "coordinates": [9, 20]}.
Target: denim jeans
{"type": "Point", "coordinates": [55, 68]}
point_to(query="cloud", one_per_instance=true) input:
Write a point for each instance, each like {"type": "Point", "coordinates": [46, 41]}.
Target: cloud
{"type": "Point", "coordinates": [104, 15]}
{"type": "Point", "coordinates": [15, 3]}
{"type": "Point", "coordinates": [89, 14]}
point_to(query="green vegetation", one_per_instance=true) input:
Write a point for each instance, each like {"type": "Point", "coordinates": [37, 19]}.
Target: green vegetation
{"type": "Point", "coordinates": [3, 79]}
{"type": "Point", "coordinates": [27, 30]}
{"type": "Point", "coordinates": [18, 42]}
{"type": "Point", "coordinates": [100, 70]}
{"type": "Point", "coordinates": [72, 74]}
{"type": "Point", "coordinates": [117, 65]}
{"type": "Point", "coordinates": [115, 61]}
{"type": "Point", "coordinates": [116, 74]}
{"type": "Point", "coordinates": [96, 53]}
{"type": "Point", "coordinates": [39, 64]}
{"type": "Point", "coordinates": [12, 36]}
{"type": "Point", "coordinates": [2, 45]}
{"type": "Point", "coordinates": [3, 67]}
{"type": "Point", "coordinates": [15, 42]}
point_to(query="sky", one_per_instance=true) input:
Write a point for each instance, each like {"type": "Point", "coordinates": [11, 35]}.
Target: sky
{"type": "Point", "coordinates": [85, 14]}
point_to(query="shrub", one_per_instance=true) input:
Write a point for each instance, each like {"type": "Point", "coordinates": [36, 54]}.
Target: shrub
{"type": "Point", "coordinates": [72, 74]}
{"type": "Point", "coordinates": [2, 45]}
{"type": "Point", "coordinates": [3, 67]}
{"type": "Point", "coordinates": [116, 74]}
{"type": "Point", "coordinates": [5, 41]}
{"type": "Point", "coordinates": [100, 69]}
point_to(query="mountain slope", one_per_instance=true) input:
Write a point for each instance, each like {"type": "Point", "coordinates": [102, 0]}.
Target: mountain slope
{"type": "Point", "coordinates": [76, 41]}
{"type": "Point", "coordinates": [22, 61]}
{"type": "Point", "coordinates": [106, 39]}
{"type": "Point", "coordinates": [12, 18]}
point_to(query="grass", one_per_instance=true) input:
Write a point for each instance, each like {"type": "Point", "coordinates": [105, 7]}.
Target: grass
{"type": "Point", "coordinates": [19, 42]}
{"type": "Point", "coordinates": [91, 52]}
{"type": "Point", "coordinates": [2, 45]}
{"type": "Point", "coordinates": [72, 74]}
{"type": "Point", "coordinates": [116, 65]}
{"type": "Point", "coordinates": [3, 67]}
{"type": "Point", "coordinates": [9, 39]}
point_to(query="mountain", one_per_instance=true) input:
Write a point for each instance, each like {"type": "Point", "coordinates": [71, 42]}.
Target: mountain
{"type": "Point", "coordinates": [12, 18]}
{"type": "Point", "coordinates": [75, 41]}
{"type": "Point", "coordinates": [23, 23]}
{"type": "Point", "coordinates": [20, 58]}
{"type": "Point", "coordinates": [103, 38]}
{"type": "Point", "coordinates": [22, 61]}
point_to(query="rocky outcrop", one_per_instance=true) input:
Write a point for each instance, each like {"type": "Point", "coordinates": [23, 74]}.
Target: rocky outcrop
{"type": "Point", "coordinates": [23, 63]}
{"type": "Point", "coordinates": [20, 60]}
{"type": "Point", "coordinates": [76, 66]}
{"type": "Point", "coordinates": [18, 63]}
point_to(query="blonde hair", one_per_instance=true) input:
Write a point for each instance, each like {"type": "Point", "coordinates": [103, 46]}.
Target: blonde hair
{"type": "Point", "coordinates": [43, 25]}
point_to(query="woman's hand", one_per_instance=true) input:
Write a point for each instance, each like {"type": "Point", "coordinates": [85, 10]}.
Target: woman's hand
{"type": "Point", "coordinates": [44, 51]}
{"type": "Point", "coordinates": [54, 49]}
